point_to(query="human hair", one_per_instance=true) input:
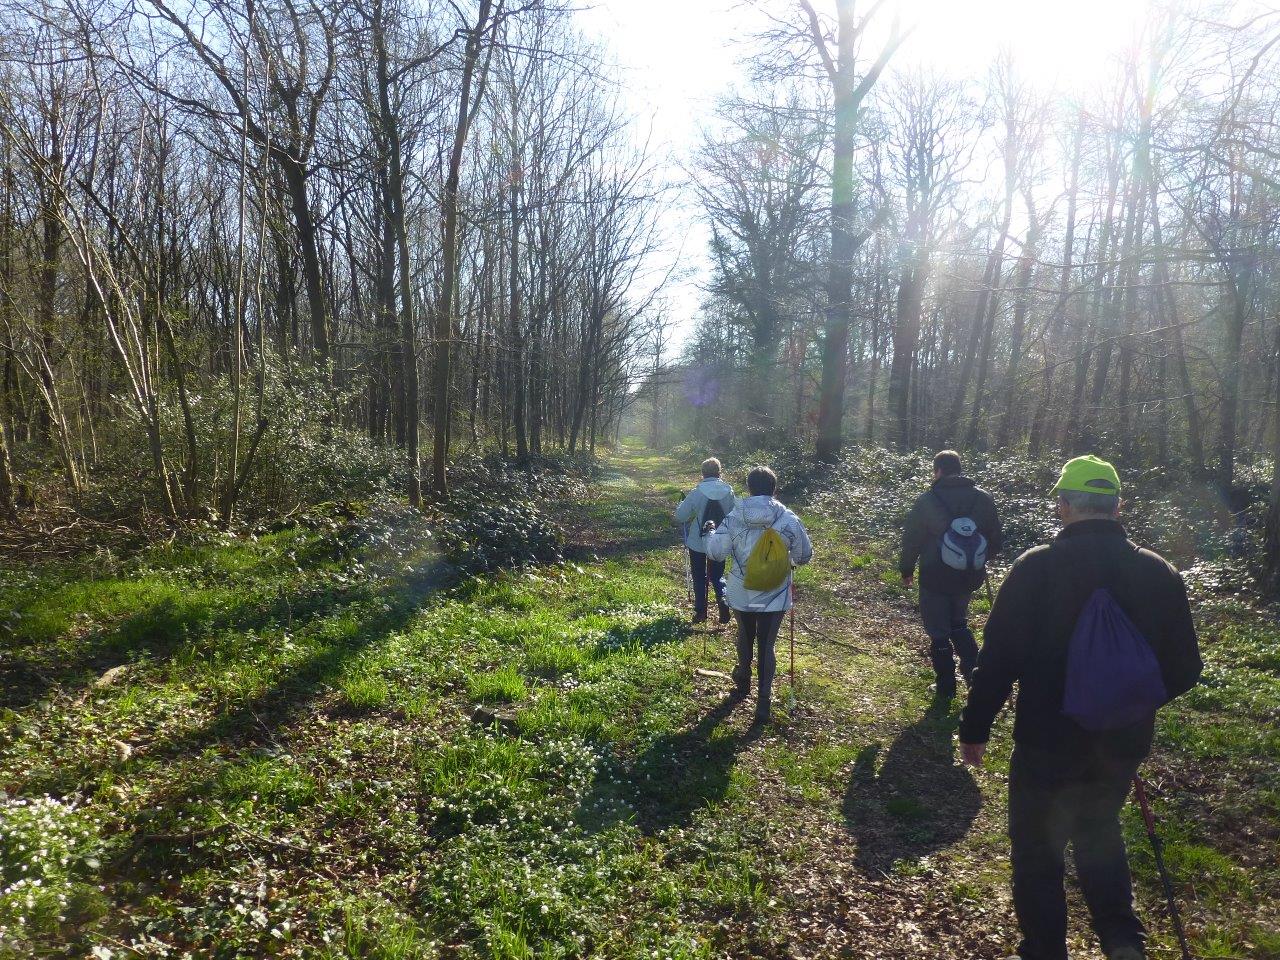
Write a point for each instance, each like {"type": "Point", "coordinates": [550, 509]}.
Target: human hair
{"type": "Point", "coordinates": [711, 467]}
{"type": "Point", "coordinates": [762, 482]}
{"type": "Point", "coordinates": [947, 463]}
{"type": "Point", "coordinates": [1090, 504]}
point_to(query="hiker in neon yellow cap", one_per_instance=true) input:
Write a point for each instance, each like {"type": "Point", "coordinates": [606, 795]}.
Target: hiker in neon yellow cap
{"type": "Point", "coordinates": [1088, 474]}
{"type": "Point", "coordinates": [1097, 634]}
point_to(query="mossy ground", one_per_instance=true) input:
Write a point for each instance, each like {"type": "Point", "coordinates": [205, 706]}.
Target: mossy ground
{"type": "Point", "coordinates": [285, 765]}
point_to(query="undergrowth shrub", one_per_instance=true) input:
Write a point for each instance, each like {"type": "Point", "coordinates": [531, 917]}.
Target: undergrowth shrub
{"type": "Point", "coordinates": [304, 454]}
{"type": "Point", "coordinates": [493, 517]}
{"type": "Point", "coordinates": [1216, 540]}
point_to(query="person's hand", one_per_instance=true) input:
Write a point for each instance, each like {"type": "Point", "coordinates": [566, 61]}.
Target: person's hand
{"type": "Point", "coordinates": [908, 580]}
{"type": "Point", "coordinates": [972, 753]}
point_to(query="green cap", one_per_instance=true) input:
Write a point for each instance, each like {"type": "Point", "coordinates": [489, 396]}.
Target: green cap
{"type": "Point", "coordinates": [1088, 474]}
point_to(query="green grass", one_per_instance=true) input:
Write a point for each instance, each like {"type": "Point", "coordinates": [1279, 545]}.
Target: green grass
{"type": "Point", "coordinates": [504, 685]}
{"type": "Point", "coordinates": [287, 765]}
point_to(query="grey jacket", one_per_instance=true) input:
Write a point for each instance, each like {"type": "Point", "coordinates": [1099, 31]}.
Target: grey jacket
{"type": "Point", "coordinates": [689, 512]}
{"type": "Point", "coordinates": [736, 537]}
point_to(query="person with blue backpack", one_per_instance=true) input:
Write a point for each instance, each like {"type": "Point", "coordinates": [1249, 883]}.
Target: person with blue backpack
{"type": "Point", "coordinates": [952, 531]}
{"type": "Point", "coordinates": [1096, 632]}
{"type": "Point", "coordinates": [709, 502]}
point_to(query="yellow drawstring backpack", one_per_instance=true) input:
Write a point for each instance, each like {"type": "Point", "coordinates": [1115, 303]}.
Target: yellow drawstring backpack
{"type": "Point", "coordinates": [769, 563]}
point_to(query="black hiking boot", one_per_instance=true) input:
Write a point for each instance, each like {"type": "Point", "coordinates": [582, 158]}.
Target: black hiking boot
{"type": "Point", "coordinates": [943, 692]}
{"type": "Point", "coordinates": [741, 681]}
{"type": "Point", "coordinates": [763, 713]}
{"type": "Point", "coordinates": [725, 613]}
{"type": "Point", "coordinates": [699, 618]}
{"type": "Point", "coordinates": [939, 707]}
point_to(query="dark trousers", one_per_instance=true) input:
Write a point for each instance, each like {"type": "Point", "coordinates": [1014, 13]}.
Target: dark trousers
{"type": "Point", "coordinates": [756, 635]}
{"type": "Point", "coordinates": [1055, 800]}
{"type": "Point", "coordinates": [698, 564]}
{"type": "Point", "coordinates": [946, 621]}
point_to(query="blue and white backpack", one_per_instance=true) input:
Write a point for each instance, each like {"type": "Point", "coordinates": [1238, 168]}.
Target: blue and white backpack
{"type": "Point", "coordinates": [961, 546]}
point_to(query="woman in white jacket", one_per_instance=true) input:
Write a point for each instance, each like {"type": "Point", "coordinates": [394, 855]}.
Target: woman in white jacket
{"type": "Point", "coordinates": [690, 513]}
{"type": "Point", "coordinates": [759, 612]}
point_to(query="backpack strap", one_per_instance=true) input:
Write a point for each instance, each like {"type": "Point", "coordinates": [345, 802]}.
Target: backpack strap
{"type": "Point", "coordinates": [952, 515]}
{"type": "Point", "coordinates": [945, 509]}
{"type": "Point", "coordinates": [745, 530]}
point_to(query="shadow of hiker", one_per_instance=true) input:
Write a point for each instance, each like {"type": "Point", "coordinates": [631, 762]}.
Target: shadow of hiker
{"type": "Point", "coordinates": [678, 774]}
{"type": "Point", "coordinates": [643, 636]}
{"type": "Point", "coordinates": [919, 800]}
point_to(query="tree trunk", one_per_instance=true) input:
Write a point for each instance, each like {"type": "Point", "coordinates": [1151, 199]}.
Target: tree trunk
{"type": "Point", "coordinates": [296, 182]}
{"type": "Point", "coordinates": [1057, 320]}
{"type": "Point", "coordinates": [515, 333]}
{"type": "Point", "coordinates": [1235, 324]}
{"type": "Point", "coordinates": [847, 101]}
{"type": "Point", "coordinates": [8, 505]}
{"type": "Point", "coordinates": [1009, 408]}
{"type": "Point", "coordinates": [1271, 536]}
{"type": "Point", "coordinates": [987, 346]}
{"type": "Point", "coordinates": [449, 254]}
{"type": "Point", "coordinates": [971, 350]}
{"type": "Point", "coordinates": [396, 217]}
{"type": "Point", "coordinates": [906, 336]}
{"type": "Point", "coordinates": [835, 344]}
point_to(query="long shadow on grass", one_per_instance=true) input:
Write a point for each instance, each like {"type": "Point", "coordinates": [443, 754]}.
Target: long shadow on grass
{"type": "Point", "coordinates": [919, 801]}
{"type": "Point", "coordinates": [202, 617]}
{"type": "Point", "coordinates": [677, 775]}
{"type": "Point", "coordinates": [158, 632]}
{"type": "Point", "coordinates": [254, 720]}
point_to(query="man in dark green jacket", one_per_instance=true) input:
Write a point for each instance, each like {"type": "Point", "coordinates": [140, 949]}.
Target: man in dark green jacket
{"type": "Point", "coordinates": [1067, 784]}
{"type": "Point", "coordinates": [944, 591]}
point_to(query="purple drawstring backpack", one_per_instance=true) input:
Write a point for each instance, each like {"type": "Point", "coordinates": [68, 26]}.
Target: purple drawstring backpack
{"type": "Point", "coordinates": [1113, 677]}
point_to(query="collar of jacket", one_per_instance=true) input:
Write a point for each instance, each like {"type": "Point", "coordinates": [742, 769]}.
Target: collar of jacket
{"type": "Point", "coordinates": [943, 483]}
{"type": "Point", "coordinates": [714, 487]}
{"type": "Point", "coordinates": [1100, 527]}
{"type": "Point", "coordinates": [761, 511]}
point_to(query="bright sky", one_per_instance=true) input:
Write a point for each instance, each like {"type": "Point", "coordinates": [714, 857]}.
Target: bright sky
{"type": "Point", "coordinates": [679, 55]}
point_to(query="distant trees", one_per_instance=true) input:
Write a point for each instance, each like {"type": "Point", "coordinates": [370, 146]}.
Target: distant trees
{"type": "Point", "coordinates": [929, 144]}
{"type": "Point", "coordinates": [837, 50]}
{"type": "Point", "coordinates": [246, 247]}
{"type": "Point", "coordinates": [758, 180]}
{"type": "Point", "coordinates": [1065, 275]}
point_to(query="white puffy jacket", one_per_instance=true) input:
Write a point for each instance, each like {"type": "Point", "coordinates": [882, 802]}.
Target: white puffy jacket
{"type": "Point", "coordinates": [738, 535]}
{"type": "Point", "coordinates": [691, 508]}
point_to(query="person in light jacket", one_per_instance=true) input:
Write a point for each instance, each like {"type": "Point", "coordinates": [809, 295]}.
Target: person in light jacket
{"type": "Point", "coordinates": [690, 513]}
{"type": "Point", "coordinates": [759, 612]}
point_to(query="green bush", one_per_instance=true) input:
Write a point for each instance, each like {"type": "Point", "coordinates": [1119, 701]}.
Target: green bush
{"type": "Point", "coordinates": [492, 520]}
{"type": "Point", "coordinates": [305, 454]}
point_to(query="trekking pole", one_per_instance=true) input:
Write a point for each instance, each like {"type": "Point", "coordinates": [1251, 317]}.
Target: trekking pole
{"type": "Point", "coordinates": [688, 564]}
{"type": "Point", "coordinates": [1157, 847]}
{"type": "Point", "coordinates": [793, 632]}
{"type": "Point", "coordinates": [986, 580]}
{"type": "Point", "coordinates": [710, 590]}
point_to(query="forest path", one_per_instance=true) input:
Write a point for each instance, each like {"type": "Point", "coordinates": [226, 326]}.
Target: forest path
{"type": "Point", "coordinates": [288, 725]}
{"type": "Point", "coordinates": [880, 843]}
